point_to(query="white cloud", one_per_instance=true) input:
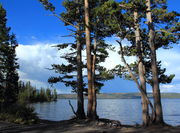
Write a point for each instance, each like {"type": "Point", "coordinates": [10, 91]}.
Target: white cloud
{"type": "Point", "coordinates": [115, 59]}
{"type": "Point", "coordinates": [34, 59]}
{"type": "Point", "coordinates": [170, 60]}
{"type": "Point", "coordinates": [170, 88]}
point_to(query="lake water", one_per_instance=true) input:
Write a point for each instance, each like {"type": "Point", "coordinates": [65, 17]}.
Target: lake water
{"type": "Point", "coordinates": [128, 111]}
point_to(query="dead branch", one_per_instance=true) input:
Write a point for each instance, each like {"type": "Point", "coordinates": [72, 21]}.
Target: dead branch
{"type": "Point", "coordinates": [72, 108]}
{"type": "Point", "coordinates": [136, 80]}
{"type": "Point", "coordinates": [69, 35]}
{"type": "Point", "coordinates": [54, 14]}
{"type": "Point", "coordinates": [165, 31]}
{"type": "Point", "coordinates": [124, 6]}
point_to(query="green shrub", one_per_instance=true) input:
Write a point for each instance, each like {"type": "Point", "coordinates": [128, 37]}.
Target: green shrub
{"type": "Point", "coordinates": [19, 113]}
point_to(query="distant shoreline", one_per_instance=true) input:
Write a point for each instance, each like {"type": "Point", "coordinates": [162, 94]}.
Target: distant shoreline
{"type": "Point", "coordinates": [121, 96]}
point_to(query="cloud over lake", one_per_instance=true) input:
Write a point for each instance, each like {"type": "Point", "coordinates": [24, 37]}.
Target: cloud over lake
{"type": "Point", "coordinates": [35, 59]}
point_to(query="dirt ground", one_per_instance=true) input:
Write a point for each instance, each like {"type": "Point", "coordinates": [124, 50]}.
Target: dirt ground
{"type": "Point", "coordinates": [82, 126]}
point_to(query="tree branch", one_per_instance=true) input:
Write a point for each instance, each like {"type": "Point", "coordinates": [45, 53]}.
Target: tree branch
{"type": "Point", "coordinates": [136, 80]}
{"type": "Point", "coordinates": [72, 108]}
{"type": "Point", "coordinates": [54, 14]}
{"type": "Point", "coordinates": [124, 6]}
{"type": "Point", "coordinates": [165, 31]}
{"type": "Point", "coordinates": [69, 35]}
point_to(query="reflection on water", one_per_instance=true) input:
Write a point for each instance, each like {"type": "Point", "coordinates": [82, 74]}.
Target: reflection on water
{"type": "Point", "coordinates": [128, 111]}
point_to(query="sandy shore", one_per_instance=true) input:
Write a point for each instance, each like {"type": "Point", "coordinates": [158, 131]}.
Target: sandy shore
{"type": "Point", "coordinates": [81, 126]}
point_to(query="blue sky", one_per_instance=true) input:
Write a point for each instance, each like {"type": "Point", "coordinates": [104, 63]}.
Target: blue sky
{"type": "Point", "coordinates": [36, 31]}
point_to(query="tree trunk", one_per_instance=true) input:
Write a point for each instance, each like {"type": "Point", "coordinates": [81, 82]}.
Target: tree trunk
{"type": "Point", "coordinates": [93, 82]}
{"type": "Point", "coordinates": [141, 70]}
{"type": "Point", "coordinates": [89, 66]}
{"type": "Point", "coordinates": [156, 90]}
{"type": "Point", "coordinates": [80, 99]}
{"type": "Point", "coordinates": [136, 81]}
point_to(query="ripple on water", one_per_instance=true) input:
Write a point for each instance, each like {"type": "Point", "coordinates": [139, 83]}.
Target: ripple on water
{"type": "Point", "coordinates": [128, 111]}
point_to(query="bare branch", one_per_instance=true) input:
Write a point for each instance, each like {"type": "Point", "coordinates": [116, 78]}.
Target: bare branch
{"type": "Point", "coordinates": [135, 80]}
{"type": "Point", "coordinates": [127, 66]}
{"type": "Point", "coordinates": [72, 108]}
{"type": "Point", "coordinates": [71, 30]}
{"type": "Point", "coordinates": [69, 35]}
{"type": "Point", "coordinates": [165, 31]}
{"type": "Point", "coordinates": [54, 14]}
{"type": "Point", "coordinates": [124, 6]}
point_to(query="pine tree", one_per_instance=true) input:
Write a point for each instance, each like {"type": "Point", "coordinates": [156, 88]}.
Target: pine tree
{"type": "Point", "coordinates": [71, 17]}
{"type": "Point", "coordinates": [8, 67]}
{"type": "Point", "coordinates": [48, 94]}
{"type": "Point", "coordinates": [55, 95]}
{"type": "Point", "coordinates": [98, 51]}
{"type": "Point", "coordinates": [74, 16]}
{"type": "Point", "coordinates": [156, 14]}
{"type": "Point", "coordinates": [90, 112]}
{"type": "Point", "coordinates": [125, 18]}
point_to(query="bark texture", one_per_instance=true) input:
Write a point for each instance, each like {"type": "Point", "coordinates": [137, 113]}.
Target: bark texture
{"type": "Point", "coordinates": [93, 82]}
{"type": "Point", "coordinates": [89, 62]}
{"type": "Point", "coordinates": [141, 70]}
{"type": "Point", "coordinates": [80, 98]}
{"type": "Point", "coordinates": [136, 81]}
{"type": "Point", "coordinates": [156, 90]}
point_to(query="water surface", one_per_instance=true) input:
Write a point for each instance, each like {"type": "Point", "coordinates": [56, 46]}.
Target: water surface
{"type": "Point", "coordinates": [128, 111]}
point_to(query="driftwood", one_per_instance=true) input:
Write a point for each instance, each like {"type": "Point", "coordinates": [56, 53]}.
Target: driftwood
{"type": "Point", "coordinates": [107, 122]}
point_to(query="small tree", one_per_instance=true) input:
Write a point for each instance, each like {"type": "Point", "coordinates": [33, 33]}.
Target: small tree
{"type": "Point", "coordinates": [48, 94]}
{"type": "Point", "coordinates": [54, 95]}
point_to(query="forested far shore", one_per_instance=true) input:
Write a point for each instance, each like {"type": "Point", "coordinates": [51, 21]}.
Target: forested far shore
{"type": "Point", "coordinates": [120, 96]}
{"type": "Point", "coordinates": [30, 94]}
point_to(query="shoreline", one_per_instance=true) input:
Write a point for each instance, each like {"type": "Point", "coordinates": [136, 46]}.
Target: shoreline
{"type": "Point", "coordinates": [82, 126]}
{"type": "Point", "coordinates": [121, 96]}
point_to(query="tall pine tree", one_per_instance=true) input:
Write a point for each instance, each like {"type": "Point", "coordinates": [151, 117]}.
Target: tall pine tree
{"type": "Point", "coordinates": [162, 31]}
{"type": "Point", "coordinates": [73, 17]}
{"type": "Point", "coordinates": [8, 63]}
{"type": "Point", "coordinates": [127, 18]}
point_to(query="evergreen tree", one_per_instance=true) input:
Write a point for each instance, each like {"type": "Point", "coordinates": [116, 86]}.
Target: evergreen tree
{"type": "Point", "coordinates": [48, 94]}
{"type": "Point", "coordinates": [29, 94]}
{"type": "Point", "coordinates": [73, 17]}
{"type": "Point", "coordinates": [8, 63]}
{"type": "Point", "coordinates": [90, 113]}
{"type": "Point", "coordinates": [98, 51]}
{"type": "Point", "coordinates": [126, 19]}
{"type": "Point", "coordinates": [54, 95]}
{"type": "Point", "coordinates": [157, 14]}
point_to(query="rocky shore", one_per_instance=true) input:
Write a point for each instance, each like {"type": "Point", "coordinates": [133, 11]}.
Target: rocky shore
{"type": "Point", "coordinates": [83, 126]}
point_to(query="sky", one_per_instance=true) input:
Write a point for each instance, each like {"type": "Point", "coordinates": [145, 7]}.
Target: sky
{"type": "Point", "coordinates": [37, 31]}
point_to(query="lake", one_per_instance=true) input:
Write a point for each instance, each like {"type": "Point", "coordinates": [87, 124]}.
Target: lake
{"type": "Point", "coordinates": [127, 111]}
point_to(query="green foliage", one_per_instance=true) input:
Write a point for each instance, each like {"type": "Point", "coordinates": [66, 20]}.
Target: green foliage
{"type": "Point", "coordinates": [106, 12]}
{"type": "Point", "coordinates": [29, 94]}
{"type": "Point", "coordinates": [19, 113]}
{"type": "Point", "coordinates": [74, 14]}
{"type": "Point", "coordinates": [9, 109]}
{"type": "Point", "coordinates": [67, 71]}
{"type": "Point", "coordinates": [166, 26]}
{"type": "Point", "coordinates": [8, 63]}
{"type": "Point", "coordinates": [47, 5]}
